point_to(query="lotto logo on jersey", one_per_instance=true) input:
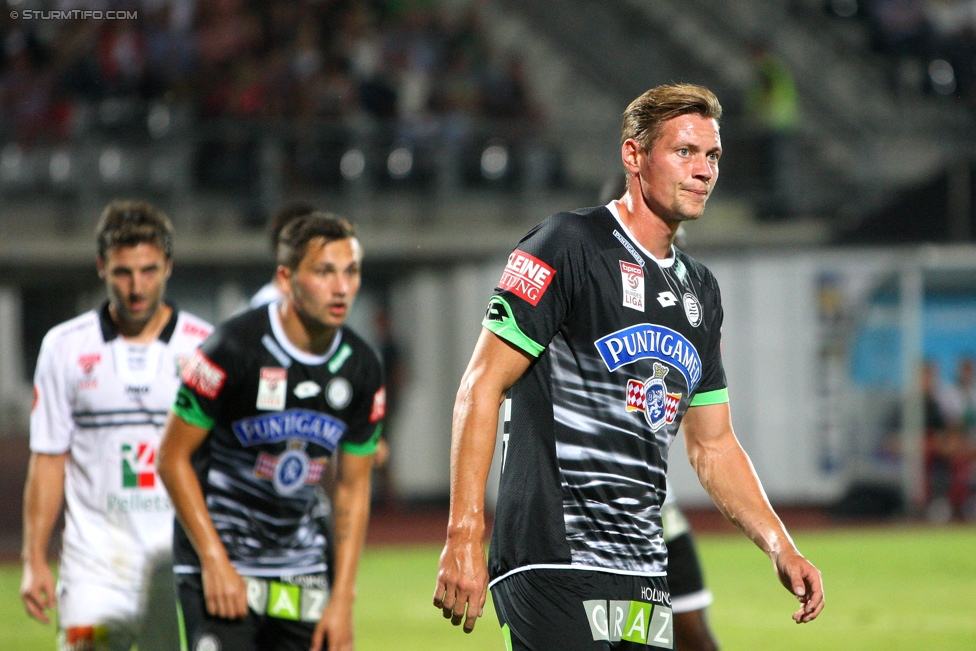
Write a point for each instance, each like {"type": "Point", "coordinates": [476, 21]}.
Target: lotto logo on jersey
{"type": "Point", "coordinates": [203, 376]}
{"type": "Point", "coordinates": [138, 465]}
{"type": "Point", "coordinates": [526, 276]}
{"type": "Point", "coordinates": [632, 277]}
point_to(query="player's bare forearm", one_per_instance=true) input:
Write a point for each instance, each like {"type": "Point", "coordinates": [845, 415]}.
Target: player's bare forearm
{"type": "Point", "coordinates": [351, 518]}
{"type": "Point", "coordinates": [462, 577]}
{"type": "Point", "coordinates": [727, 474]}
{"type": "Point", "coordinates": [43, 500]}
{"type": "Point", "coordinates": [224, 589]}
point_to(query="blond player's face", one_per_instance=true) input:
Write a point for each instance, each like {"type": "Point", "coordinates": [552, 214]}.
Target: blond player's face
{"type": "Point", "coordinates": [326, 281]}
{"type": "Point", "coordinates": [679, 173]}
{"type": "Point", "coordinates": [135, 277]}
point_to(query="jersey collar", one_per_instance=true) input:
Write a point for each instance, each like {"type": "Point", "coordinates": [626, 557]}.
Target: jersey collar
{"type": "Point", "coordinates": [665, 263]}
{"type": "Point", "coordinates": [110, 331]}
{"type": "Point", "coordinates": [294, 351]}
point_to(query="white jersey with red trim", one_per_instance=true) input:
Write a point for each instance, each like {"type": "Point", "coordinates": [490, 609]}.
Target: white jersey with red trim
{"type": "Point", "coordinates": [104, 401]}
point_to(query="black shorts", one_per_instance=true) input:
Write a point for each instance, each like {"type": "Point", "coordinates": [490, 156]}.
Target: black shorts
{"type": "Point", "coordinates": [688, 591]}
{"type": "Point", "coordinates": [685, 574]}
{"type": "Point", "coordinates": [583, 610]}
{"type": "Point", "coordinates": [289, 628]}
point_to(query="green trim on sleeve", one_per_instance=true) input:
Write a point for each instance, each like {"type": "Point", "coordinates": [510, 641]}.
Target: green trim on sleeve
{"type": "Point", "coordinates": [187, 408]}
{"type": "Point", "coordinates": [716, 397]}
{"type": "Point", "coordinates": [364, 449]}
{"type": "Point", "coordinates": [498, 319]}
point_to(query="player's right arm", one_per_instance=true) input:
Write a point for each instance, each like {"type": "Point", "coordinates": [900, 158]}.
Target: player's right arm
{"type": "Point", "coordinates": [224, 590]}
{"type": "Point", "coordinates": [51, 434]}
{"type": "Point", "coordinates": [43, 499]}
{"type": "Point", "coordinates": [462, 576]}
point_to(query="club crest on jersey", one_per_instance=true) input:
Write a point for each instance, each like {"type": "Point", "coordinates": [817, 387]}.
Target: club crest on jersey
{"type": "Point", "coordinates": [526, 276]}
{"type": "Point", "coordinates": [272, 389]}
{"type": "Point", "coordinates": [693, 309]}
{"type": "Point", "coordinates": [338, 393]}
{"type": "Point", "coordinates": [653, 398]}
{"type": "Point", "coordinates": [291, 470]}
{"type": "Point", "coordinates": [632, 278]}
{"type": "Point", "coordinates": [138, 465]}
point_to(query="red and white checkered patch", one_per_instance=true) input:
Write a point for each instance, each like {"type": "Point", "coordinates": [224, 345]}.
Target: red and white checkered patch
{"type": "Point", "coordinates": [266, 464]}
{"type": "Point", "coordinates": [671, 402]}
{"type": "Point", "coordinates": [635, 396]}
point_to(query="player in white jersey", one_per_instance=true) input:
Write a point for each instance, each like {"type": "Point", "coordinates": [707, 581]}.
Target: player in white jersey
{"type": "Point", "coordinates": [103, 386]}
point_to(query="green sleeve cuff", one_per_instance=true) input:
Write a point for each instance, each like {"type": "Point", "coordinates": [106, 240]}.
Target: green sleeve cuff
{"type": "Point", "coordinates": [187, 408]}
{"type": "Point", "coordinates": [710, 398]}
{"type": "Point", "coordinates": [364, 449]}
{"type": "Point", "coordinates": [499, 320]}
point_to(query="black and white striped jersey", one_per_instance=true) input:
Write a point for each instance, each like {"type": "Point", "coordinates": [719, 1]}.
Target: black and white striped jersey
{"type": "Point", "coordinates": [624, 343]}
{"type": "Point", "coordinates": [276, 414]}
{"type": "Point", "coordinates": [104, 400]}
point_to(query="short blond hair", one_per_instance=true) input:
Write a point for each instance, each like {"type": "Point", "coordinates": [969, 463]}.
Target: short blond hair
{"type": "Point", "coordinates": [646, 115]}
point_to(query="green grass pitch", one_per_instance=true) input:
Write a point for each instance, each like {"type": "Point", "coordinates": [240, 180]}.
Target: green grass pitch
{"type": "Point", "coordinates": [899, 588]}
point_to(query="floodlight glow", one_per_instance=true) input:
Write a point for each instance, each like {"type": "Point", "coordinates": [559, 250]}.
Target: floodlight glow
{"type": "Point", "coordinates": [494, 162]}
{"type": "Point", "coordinates": [352, 164]}
{"type": "Point", "coordinates": [399, 163]}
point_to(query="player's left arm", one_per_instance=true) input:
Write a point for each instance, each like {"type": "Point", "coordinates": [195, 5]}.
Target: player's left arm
{"type": "Point", "coordinates": [351, 515]}
{"type": "Point", "coordinates": [727, 474]}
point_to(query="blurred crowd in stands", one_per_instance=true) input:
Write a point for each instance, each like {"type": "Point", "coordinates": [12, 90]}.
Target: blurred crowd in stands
{"type": "Point", "coordinates": [295, 59]}
{"type": "Point", "coordinates": [931, 44]}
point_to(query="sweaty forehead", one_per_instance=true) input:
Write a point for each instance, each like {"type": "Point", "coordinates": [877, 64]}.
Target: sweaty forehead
{"type": "Point", "coordinates": [139, 254]}
{"type": "Point", "coordinates": [692, 128]}
{"type": "Point", "coordinates": [337, 252]}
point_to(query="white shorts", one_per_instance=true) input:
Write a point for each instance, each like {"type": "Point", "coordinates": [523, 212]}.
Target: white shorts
{"type": "Point", "coordinates": [97, 617]}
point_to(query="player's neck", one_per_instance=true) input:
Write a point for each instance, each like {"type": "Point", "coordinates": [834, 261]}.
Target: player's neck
{"type": "Point", "coordinates": [305, 333]}
{"type": "Point", "coordinates": [142, 332]}
{"type": "Point", "coordinates": [651, 231]}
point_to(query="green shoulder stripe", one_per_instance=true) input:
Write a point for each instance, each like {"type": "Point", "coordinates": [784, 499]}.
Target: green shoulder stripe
{"type": "Point", "coordinates": [187, 408]}
{"type": "Point", "coordinates": [499, 320]}
{"type": "Point", "coordinates": [364, 449]}
{"type": "Point", "coordinates": [709, 398]}
{"type": "Point", "coordinates": [345, 350]}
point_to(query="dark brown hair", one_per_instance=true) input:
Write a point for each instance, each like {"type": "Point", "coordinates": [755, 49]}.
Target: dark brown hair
{"type": "Point", "coordinates": [297, 233]}
{"type": "Point", "coordinates": [128, 223]}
